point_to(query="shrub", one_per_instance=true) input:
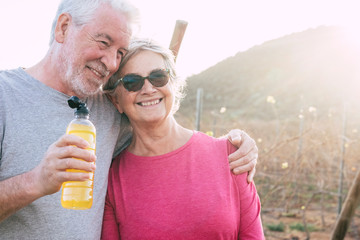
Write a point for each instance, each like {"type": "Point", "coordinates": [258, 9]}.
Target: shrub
{"type": "Point", "coordinates": [301, 227]}
{"type": "Point", "coordinates": [280, 227]}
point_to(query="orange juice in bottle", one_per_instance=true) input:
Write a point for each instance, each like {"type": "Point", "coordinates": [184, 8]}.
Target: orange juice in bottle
{"type": "Point", "coordinates": [79, 194]}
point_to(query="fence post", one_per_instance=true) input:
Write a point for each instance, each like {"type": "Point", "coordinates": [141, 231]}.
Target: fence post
{"type": "Point", "coordinates": [198, 108]}
{"type": "Point", "coordinates": [298, 152]}
{"type": "Point", "coordinates": [342, 160]}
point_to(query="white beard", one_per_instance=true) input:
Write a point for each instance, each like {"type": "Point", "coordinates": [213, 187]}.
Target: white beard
{"type": "Point", "coordinates": [75, 80]}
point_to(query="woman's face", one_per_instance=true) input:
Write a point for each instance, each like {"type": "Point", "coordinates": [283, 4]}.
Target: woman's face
{"type": "Point", "coordinates": [149, 105]}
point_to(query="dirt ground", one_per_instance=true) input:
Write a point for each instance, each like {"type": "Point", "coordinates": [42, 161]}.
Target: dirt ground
{"type": "Point", "coordinates": [313, 218]}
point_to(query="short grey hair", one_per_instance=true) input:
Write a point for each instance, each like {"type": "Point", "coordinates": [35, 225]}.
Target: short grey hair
{"type": "Point", "coordinates": [82, 12]}
{"type": "Point", "coordinates": [138, 45]}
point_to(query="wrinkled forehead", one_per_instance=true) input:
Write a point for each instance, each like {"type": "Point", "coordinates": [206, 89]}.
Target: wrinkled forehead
{"type": "Point", "coordinates": [107, 16]}
{"type": "Point", "coordinates": [111, 25]}
{"type": "Point", "coordinates": [142, 62]}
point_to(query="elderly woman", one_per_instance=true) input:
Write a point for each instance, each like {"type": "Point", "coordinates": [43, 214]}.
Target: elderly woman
{"type": "Point", "coordinates": [155, 189]}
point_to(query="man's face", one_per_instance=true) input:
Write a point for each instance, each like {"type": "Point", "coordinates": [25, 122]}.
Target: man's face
{"type": "Point", "coordinates": [92, 52]}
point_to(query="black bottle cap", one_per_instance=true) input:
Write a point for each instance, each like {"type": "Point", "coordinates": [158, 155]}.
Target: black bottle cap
{"type": "Point", "coordinates": [81, 108]}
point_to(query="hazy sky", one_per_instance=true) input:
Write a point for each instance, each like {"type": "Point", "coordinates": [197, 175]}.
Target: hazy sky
{"type": "Point", "coordinates": [216, 29]}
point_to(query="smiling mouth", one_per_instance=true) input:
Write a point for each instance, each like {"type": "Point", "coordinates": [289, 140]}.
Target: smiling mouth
{"type": "Point", "coordinates": [97, 73]}
{"type": "Point", "coordinates": [150, 103]}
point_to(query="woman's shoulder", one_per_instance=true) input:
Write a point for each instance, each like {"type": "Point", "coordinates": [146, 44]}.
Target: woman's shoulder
{"type": "Point", "coordinates": [200, 136]}
{"type": "Point", "coordinates": [116, 160]}
{"type": "Point", "coordinates": [221, 142]}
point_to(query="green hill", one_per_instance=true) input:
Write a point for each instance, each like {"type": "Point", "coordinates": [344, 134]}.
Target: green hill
{"type": "Point", "coordinates": [315, 68]}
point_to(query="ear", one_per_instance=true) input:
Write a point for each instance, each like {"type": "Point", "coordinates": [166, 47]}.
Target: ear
{"type": "Point", "coordinates": [114, 99]}
{"type": "Point", "coordinates": [62, 27]}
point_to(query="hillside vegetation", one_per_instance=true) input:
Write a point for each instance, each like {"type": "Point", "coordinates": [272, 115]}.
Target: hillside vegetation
{"type": "Point", "coordinates": [318, 67]}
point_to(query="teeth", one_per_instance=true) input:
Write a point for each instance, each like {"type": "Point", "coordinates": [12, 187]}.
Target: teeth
{"type": "Point", "coordinates": [100, 74]}
{"type": "Point", "coordinates": [96, 72]}
{"type": "Point", "coordinates": [150, 103]}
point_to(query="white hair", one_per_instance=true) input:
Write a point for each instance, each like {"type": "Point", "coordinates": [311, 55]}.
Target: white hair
{"type": "Point", "coordinates": [82, 12]}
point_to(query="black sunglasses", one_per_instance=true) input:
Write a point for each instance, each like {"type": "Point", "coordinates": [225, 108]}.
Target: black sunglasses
{"type": "Point", "coordinates": [134, 82]}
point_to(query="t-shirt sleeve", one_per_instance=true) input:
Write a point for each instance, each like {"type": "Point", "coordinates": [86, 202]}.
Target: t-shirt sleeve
{"type": "Point", "coordinates": [110, 228]}
{"type": "Point", "coordinates": [250, 207]}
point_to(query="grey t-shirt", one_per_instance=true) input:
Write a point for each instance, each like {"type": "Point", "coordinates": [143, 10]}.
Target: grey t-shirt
{"type": "Point", "coordinates": [32, 117]}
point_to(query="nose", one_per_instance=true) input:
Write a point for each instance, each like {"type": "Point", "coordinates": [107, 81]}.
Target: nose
{"type": "Point", "coordinates": [111, 60]}
{"type": "Point", "coordinates": [148, 87]}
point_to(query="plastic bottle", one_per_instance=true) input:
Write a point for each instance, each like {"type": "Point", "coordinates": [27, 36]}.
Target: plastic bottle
{"type": "Point", "coordinates": [79, 194]}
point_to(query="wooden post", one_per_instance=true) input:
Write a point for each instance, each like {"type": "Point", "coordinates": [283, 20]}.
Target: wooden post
{"type": "Point", "coordinates": [348, 210]}
{"type": "Point", "coordinates": [177, 36]}
{"type": "Point", "coordinates": [198, 108]}
{"type": "Point", "coordinates": [341, 177]}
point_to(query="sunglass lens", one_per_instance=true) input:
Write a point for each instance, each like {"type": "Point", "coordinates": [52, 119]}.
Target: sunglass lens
{"type": "Point", "coordinates": [159, 78]}
{"type": "Point", "coordinates": [133, 82]}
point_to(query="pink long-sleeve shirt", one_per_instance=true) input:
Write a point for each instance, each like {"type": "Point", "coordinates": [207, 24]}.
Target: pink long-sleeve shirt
{"type": "Point", "coordinates": [189, 193]}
